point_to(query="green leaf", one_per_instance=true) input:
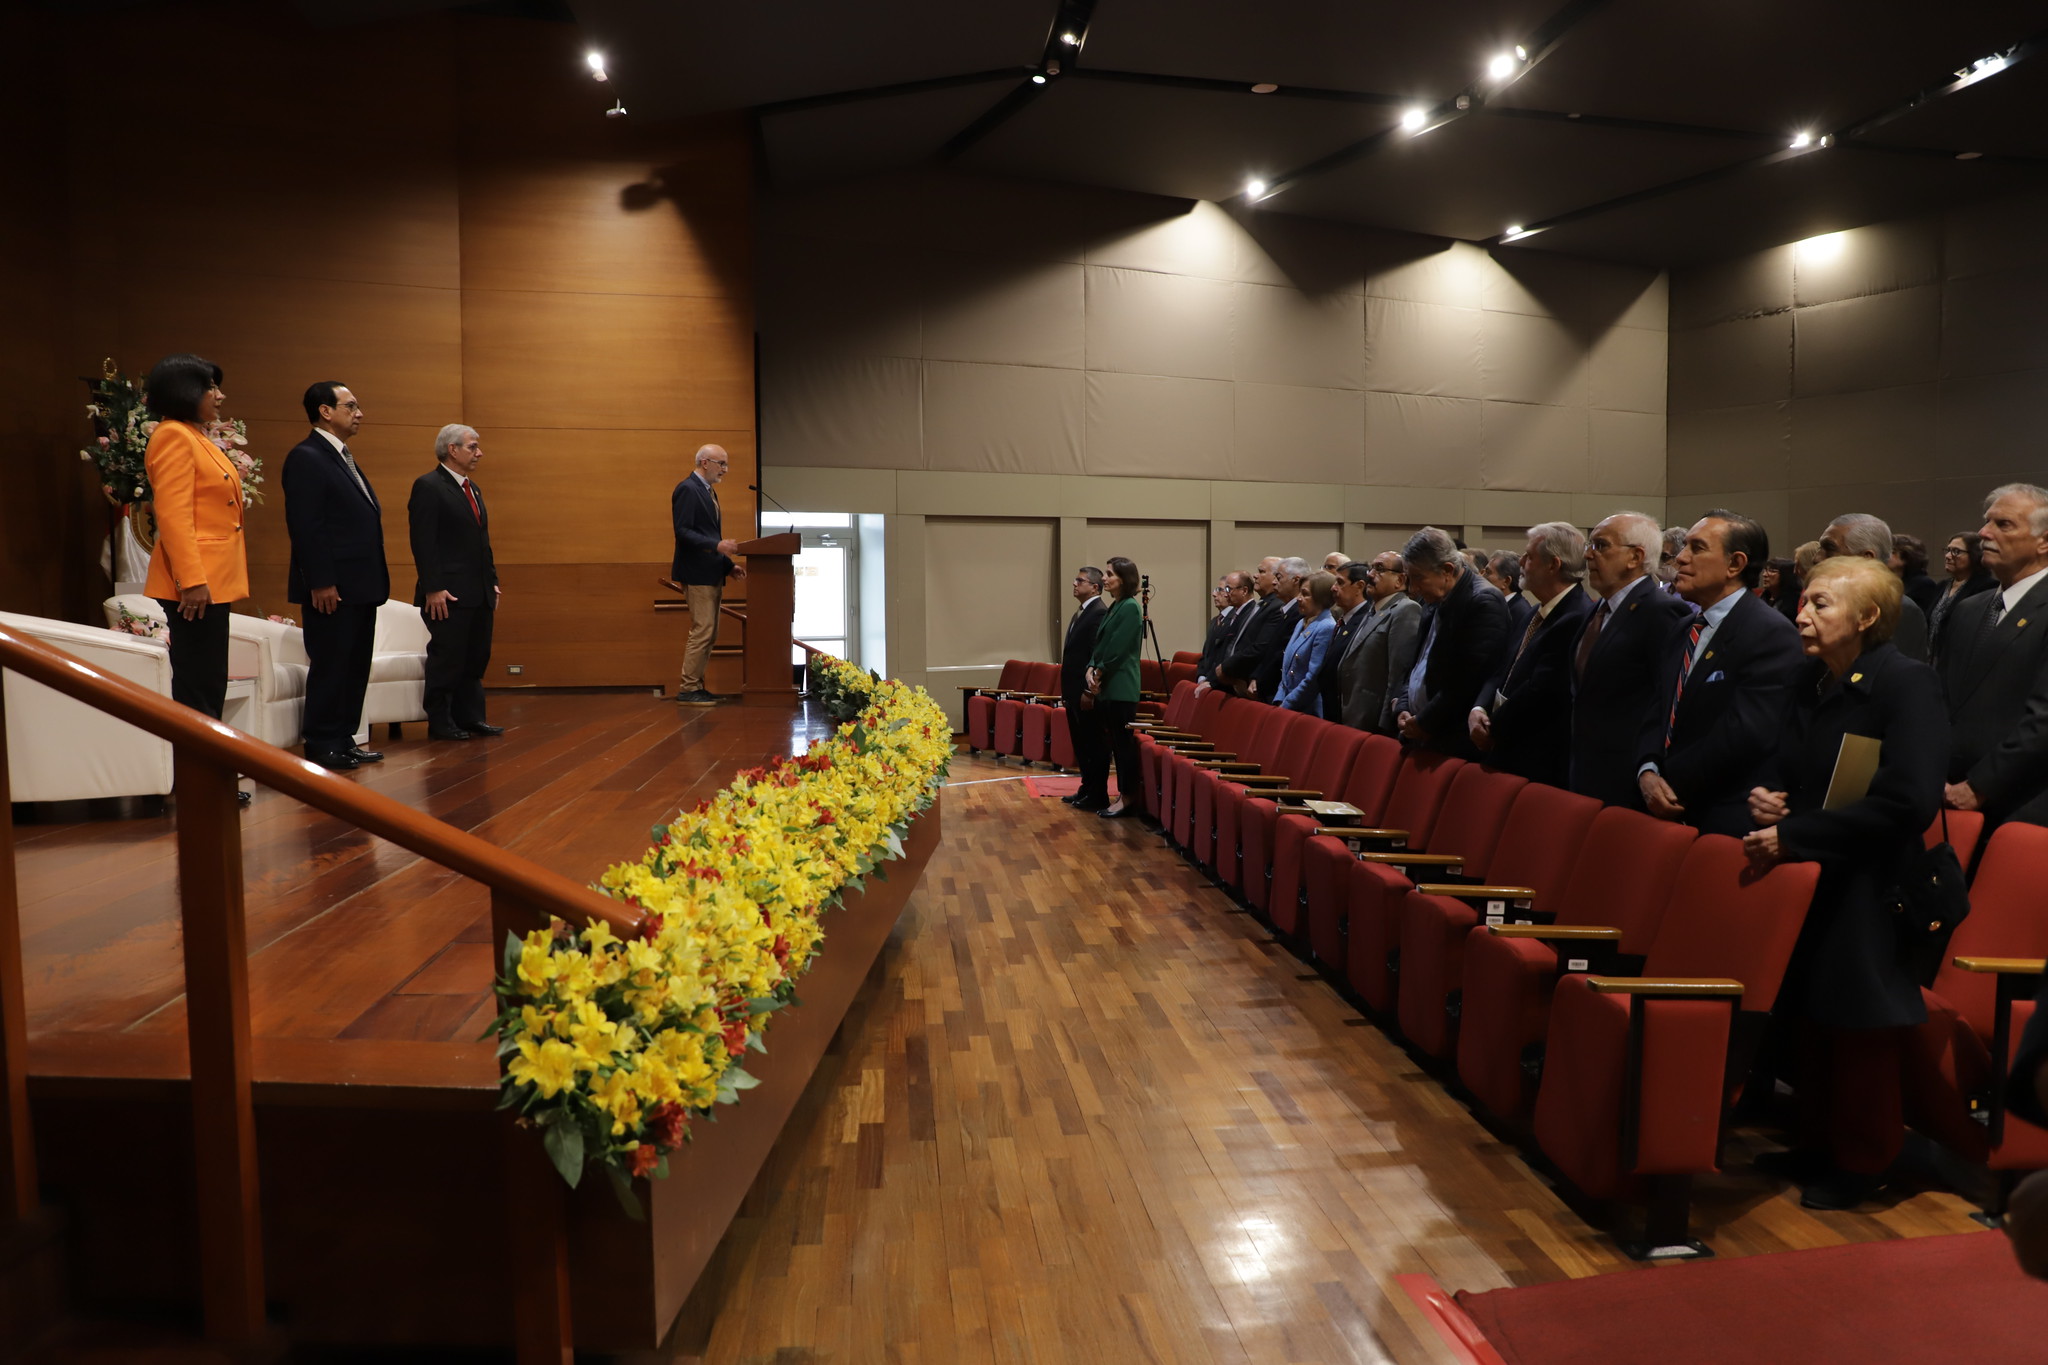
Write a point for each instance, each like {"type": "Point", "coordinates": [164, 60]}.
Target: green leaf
{"type": "Point", "coordinates": [564, 1141]}
{"type": "Point", "coordinates": [895, 843]}
{"type": "Point", "coordinates": [629, 1199]}
{"type": "Point", "coordinates": [738, 1079]}
{"type": "Point", "coordinates": [510, 969]}
{"type": "Point", "coordinates": [755, 1042]}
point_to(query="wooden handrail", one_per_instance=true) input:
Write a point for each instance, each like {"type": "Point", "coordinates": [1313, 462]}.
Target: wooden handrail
{"type": "Point", "coordinates": [225, 746]}
{"type": "Point", "coordinates": [207, 756]}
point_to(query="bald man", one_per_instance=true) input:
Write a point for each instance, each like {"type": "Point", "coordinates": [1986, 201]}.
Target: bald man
{"type": "Point", "coordinates": [702, 564]}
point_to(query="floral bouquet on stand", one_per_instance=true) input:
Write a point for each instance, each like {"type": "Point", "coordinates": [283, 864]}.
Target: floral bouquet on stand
{"type": "Point", "coordinates": [121, 430]}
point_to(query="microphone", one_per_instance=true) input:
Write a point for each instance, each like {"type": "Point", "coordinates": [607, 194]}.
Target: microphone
{"type": "Point", "coordinates": [771, 497]}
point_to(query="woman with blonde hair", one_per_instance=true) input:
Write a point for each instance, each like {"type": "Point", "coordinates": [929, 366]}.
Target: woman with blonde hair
{"type": "Point", "coordinates": [1849, 993]}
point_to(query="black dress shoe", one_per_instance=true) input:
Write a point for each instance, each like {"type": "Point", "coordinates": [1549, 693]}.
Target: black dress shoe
{"type": "Point", "coordinates": [446, 732]}
{"type": "Point", "coordinates": [244, 798]}
{"type": "Point", "coordinates": [362, 755]}
{"type": "Point", "coordinates": [334, 760]}
{"type": "Point", "coordinates": [477, 727]}
{"type": "Point", "coordinates": [1121, 813]}
{"type": "Point", "coordinates": [1841, 1191]}
{"type": "Point", "coordinates": [1088, 805]}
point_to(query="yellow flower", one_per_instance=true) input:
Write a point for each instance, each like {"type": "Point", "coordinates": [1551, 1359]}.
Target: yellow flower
{"type": "Point", "coordinates": [549, 1067]}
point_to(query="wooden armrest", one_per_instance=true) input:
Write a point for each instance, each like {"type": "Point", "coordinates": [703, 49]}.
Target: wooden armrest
{"type": "Point", "coordinates": [1183, 746]}
{"type": "Point", "coordinates": [1042, 696]}
{"type": "Point", "coordinates": [1359, 832]}
{"type": "Point", "coordinates": [1416, 859]}
{"type": "Point", "coordinates": [1291, 793]}
{"type": "Point", "coordinates": [1152, 696]}
{"type": "Point", "coordinates": [1217, 765]}
{"type": "Point", "coordinates": [1678, 986]}
{"type": "Point", "coordinates": [2016, 966]}
{"type": "Point", "coordinates": [1263, 779]}
{"type": "Point", "coordinates": [1581, 932]}
{"type": "Point", "coordinates": [1477, 893]}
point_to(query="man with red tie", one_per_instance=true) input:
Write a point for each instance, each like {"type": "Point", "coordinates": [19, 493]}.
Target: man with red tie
{"type": "Point", "coordinates": [1727, 681]}
{"type": "Point", "coordinates": [458, 584]}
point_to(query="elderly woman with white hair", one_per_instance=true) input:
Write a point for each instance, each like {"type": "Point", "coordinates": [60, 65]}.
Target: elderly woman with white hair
{"type": "Point", "coordinates": [1850, 993]}
{"type": "Point", "coordinates": [458, 583]}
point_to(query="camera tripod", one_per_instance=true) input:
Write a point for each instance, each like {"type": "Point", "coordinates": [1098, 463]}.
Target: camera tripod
{"type": "Point", "coordinates": [1151, 631]}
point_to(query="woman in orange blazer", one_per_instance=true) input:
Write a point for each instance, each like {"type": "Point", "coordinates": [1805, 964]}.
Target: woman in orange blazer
{"type": "Point", "coordinates": [199, 565]}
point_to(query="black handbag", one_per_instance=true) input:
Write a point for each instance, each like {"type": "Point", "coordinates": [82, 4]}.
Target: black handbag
{"type": "Point", "coordinates": [1929, 901]}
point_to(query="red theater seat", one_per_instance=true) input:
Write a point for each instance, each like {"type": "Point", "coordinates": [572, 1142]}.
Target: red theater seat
{"type": "Point", "coordinates": [1034, 713]}
{"type": "Point", "coordinates": [981, 704]}
{"type": "Point", "coordinates": [1269, 738]}
{"type": "Point", "coordinates": [1290, 760]}
{"type": "Point", "coordinates": [1528, 868]}
{"type": "Point", "coordinates": [1189, 726]}
{"type": "Point", "coordinates": [1639, 1071]}
{"type": "Point", "coordinates": [1409, 815]}
{"type": "Point", "coordinates": [1368, 787]}
{"type": "Point", "coordinates": [1621, 876]}
{"type": "Point", "coordinates": [1237, 730]}
{"type": "Point", "coordinates": [1006, 730]}
{"type": "Point", "coordinates": [1956, 1062]}
{"type": "Point", "coordinates": [1059, 749]}
{"type": "Point", "coordinates": [1258, 809]}
{"type": "Point", "coordinates": [1187, 656]}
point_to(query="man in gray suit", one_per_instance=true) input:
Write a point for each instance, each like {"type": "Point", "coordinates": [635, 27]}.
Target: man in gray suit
{"type": "Point", "coordinates": [1861, 534]}
{"type": "Point", "coordinates": [1381, 651]}
{"type": "Point", "coordinates": [1994, 667]}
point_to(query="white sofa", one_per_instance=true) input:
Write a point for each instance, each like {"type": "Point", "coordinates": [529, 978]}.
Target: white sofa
{"type": "Point", "coordinates": [398, 668]}
{"type": "Point", "coordinates": [59, 749]}
{"type": "Point", "coordinates": [270, 654]}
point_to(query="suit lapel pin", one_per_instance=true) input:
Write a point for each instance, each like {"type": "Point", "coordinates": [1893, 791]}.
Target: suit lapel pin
{"type": "Point", "coordinates": [2022, 624]}
{"type": "Point", "coordinates": [1855, 677]}
{"type": "Point", "coordinates": [1710, 654]}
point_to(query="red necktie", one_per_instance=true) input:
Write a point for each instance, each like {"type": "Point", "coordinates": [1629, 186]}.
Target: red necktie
{"type": "Point", "coordinates": [1692, 644]}
{"type": "Point", "coordinates": [475, 508]}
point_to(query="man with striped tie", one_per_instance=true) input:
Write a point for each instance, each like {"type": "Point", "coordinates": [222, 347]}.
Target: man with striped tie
{"type": "Point", "coordinates": [1726, 683]}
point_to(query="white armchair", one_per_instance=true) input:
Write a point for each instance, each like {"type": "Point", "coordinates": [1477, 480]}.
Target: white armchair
{"type": "Point", "coordinates": [273, 655]}
{"type": "Point", "coordinates": [398, 668]}
{"type": "Point", "coordinates": [63, 750]}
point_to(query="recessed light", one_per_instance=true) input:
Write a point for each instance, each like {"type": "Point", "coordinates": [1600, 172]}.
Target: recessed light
{"type": "Point", "coordinates": [1501, 67]}
{"type": "Point", "coordinates": [1414, 118]}
{"type": "Point", "coordinates": [596, 63]}
{"type": "Point", "coordinates": [1038, 80]}
{"type": "Point", "coordinates": [1255, 189]}
{"type": "Point", "coordinates": [1264, 88]}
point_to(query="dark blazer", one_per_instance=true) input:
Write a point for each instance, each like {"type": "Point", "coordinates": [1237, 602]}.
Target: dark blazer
{"type": "Point", "coordinates": [1997, 709]}
{"type": "Point", "coordinates": [1520, 609]}
{"type": "Point", "coordinates": [1216, 644]}
{"type": "Point", "coordinates": [1615, 699]}
{"type": "Point", "coordinates": [1921, 590]}
{"type": "Point", "coordinates": [1377, 661]}
{"type": "Point", "coordinates": [1939, 614]}
{"type": "Point", "coordinates": [1530, 698]}
{"type": "Point", "coordinates": [1267, 676]}
{"type": "Point", "coordinates": [1079, 646]}
{"type": "Point", "coordinates": [1729, 722]}
{"type": "Point", "coordinates": [694, 510]}
{"type": "Point", "coordinates": [1846, 971]}
{"type": "Point", "coordinates": [1471, 627]}
{"type": "Point", "coordinates": [451, 547]}
{"type": "Point", "coordinates": [1265, 634]}
{"type": "Point", "coordinates": [1910, 639]}
{"type": "Point", "coordinates": [337, 534]}
{"type": "Point", "coordinates": [1329, 682]}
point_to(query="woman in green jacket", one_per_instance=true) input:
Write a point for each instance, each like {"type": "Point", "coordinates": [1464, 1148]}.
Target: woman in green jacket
{"type": "Point", "coordinates": [1113, 684]}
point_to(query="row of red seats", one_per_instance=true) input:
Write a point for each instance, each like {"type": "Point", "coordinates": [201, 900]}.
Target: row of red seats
{"type": "Point", "coordinates": [1594, 976]}
{"type": "Point", "coordinates": [1021, 716]}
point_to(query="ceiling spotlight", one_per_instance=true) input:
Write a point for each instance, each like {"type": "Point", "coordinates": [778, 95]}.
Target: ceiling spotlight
{"type": "Point", "coordinates": [1521, 53]}
{"type": "Point", "coordinates": [1069, 39]}
{"type": "Point", "coordinates": [1513, 232]}
{"type": "Point", "coordinates": [618, 110]}
{"type": "Point", "coordinates": [596, 62]}
{"type": "Point", "coordinates": [1254, 190]}
{"type": "Point", "coordinates": [1803, 140]}
{"type": "Point", "coordinates": [1501, 67]}
{"type": "Point", "coordinates": [1264, 88]}
{"type": "Point", "coordinates": [1038, 80]}
{"type": "Point", "coordinates": [1982, 68]}
{"type": "Point", "coordinates": [1414, 118]}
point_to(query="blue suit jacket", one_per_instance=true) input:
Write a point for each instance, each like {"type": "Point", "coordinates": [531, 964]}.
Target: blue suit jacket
{"type": "Point", "coordinates": [694, 513]}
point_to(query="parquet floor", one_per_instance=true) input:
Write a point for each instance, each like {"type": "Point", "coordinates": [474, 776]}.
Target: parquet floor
{"type": "Point", "coordinates": [1085, 1113]}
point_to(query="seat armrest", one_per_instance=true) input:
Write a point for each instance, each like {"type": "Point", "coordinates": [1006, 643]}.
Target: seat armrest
{"type": "Point", "coordinates": [1359, 832]}
{"type": "Point", "coordinates": [1264, 779]}
{"type": "Point", "coordinates": [2004, 966]}
{"type": "Point", "coordinates": [1597, 933]}
{"type": "Point", "coordinates": [1398, 859]}
{"type": "Point", "coordinates": [1291, 793]}
{"type": "Point", "coordinates": [1460, 891]}
{"type": "Point", "coordinates": [1216, 765]}
{"type": "Point", "coordinates": [1676, 987]}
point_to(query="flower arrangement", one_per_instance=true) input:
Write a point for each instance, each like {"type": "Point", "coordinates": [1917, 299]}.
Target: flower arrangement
{"type": "Point", "coordinates": [121, 431]}
{"type": "Point", "coordinates": [614, 1047]}
{"type": "Point", "coordinates": [148, 627]}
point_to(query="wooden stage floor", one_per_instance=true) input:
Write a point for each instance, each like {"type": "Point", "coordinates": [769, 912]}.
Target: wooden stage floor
{"type": "Point", "coordinates": [1081, 1111]}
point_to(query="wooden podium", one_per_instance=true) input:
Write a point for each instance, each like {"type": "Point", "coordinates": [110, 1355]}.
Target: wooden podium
{"type": "Point", "coordinates": [771, 605]}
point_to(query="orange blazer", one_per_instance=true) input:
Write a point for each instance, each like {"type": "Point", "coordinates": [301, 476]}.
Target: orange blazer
{"type": "Point", "coordinates": [198, 516]}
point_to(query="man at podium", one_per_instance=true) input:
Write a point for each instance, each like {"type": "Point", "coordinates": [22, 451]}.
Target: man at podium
{"type": "Point", "coordinates": [703, 562]}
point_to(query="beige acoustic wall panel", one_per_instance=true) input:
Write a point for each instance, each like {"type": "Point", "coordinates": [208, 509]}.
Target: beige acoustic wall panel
{"type": "Point", "coordinates": [1154, 426]}
{"type": "Point", "coordinates": [1003, 419]}
{"type": "Point", "coordinates": [1294, 435]}
{"type": "Point", "coordinates": [1141, 322]}
{"type": "Point", "coordinates": [1421, 440]}
{"type": "Point", "coordinates": [1175, 556]}
{"type": "Point", "coordinates": [842, 411]}
{"type": "Point", "coordinates": [989, 591]}
{"type": "Point", "coordinates": [1311, 541]}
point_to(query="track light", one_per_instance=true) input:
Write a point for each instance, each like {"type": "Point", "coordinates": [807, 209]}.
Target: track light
{"type": "Point", "coordinates": [1501, 67]}
{"type": "Point", "coordinates": [1069, 39]}
{"type": "Point", "coordinates": [596, 62]}
{"type": "Point", "coordinates": [1514, 233]}
{"type": "Point", "coordinates": [1982, 68]}
{"type": "Point", "coordinates": [1264, 88]}
{"type": "Point", "coordinates": [1254, 190]}
{"type": "Point", "coordinates": [1414, 118]}
{"type": "Point", "coordinates": [1038, 80]}
{"type": "Point", "coordinates": [1802, 141]}
{"type": "Point", "coordinates": [618, 109]}
{"type": "Point", "coordinates": [1521, 53]}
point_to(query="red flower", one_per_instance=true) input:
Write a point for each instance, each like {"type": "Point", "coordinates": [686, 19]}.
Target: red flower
{"type": "Point", "coordinates": [736, 1036]}
{"type": "Point", "coordinates": [645, 1158]}
{"type": "Point", "coordinates": [650, 928]}
{"type": "Point", "coordinates": [668, 1124]}
{"type": "Point", "coordinates": [826, 817]}
{"type": "Point", "coordinates": [781, 948]}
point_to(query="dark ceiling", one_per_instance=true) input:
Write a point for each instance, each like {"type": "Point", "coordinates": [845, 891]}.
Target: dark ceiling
{"type": "Point", "coordinates": [1646, 130]}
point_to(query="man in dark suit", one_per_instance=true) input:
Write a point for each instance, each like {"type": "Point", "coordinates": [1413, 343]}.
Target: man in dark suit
{"type": "Point", "coordinates": [1381, 653]}
{"type": "Point", "coordinates": [1353, 608]}
{"type": "Point", "coordinates": [1727, 684]}
{"type": "Point", "coordinates": [458, 584]}
{"type": "Point", "coordinates": [337, 572]}
{"type": "Point", "coordinates": [703, 562]}
{"type": "Point", "coordinates": [1232, 598]}
{"type": "Point", "coordinates": [1463, 632]}
{"type": "Point", "coordinates": [1264, 685]}
{"type": "Point", "coordinates": [1994, 667]}
{"type": "Point", "coordinates": [1082, 727]}
{"type": "Point", "coordinates": [1523, 715]}
{"type": "Point", "coordinates": [1616, 656]}
{"type": "Point", "coordinates": [1264, 633]}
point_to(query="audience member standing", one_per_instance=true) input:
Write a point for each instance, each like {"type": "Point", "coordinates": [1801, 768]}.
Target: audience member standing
{"type": "Point", "coordinates": [1113, 681]}
{"type": "Point", "coordinates": [458, 584]}
{"type": "Point", "coordinates": [1846, 987]}
{"type": "Point", "coordinates": [1616, 657]}
{"type": "Point", "coordinates": [337, 572]}
{"type": "Point", "coordinates": [200, 563]}
{"type": "Point", "coordinates": [1991, 664]}
{"type": "Point", "coordinates": [1382, 652]}
{"type": "Point", "coordinates": [1259, 624]}
{"type": "Point", "coordinates": [1523, 716]}
{"type": "Point", "coordinates": [1083, 729]}
{"type": "Point", "coordinates": [1865, 536]}
{"type": "Point", "coordinates": [1963, 561]}
{"type": "Point", "coordinates": [1303, 660]}
{"type": "Point", "coordinates": [1463, 635]}
{"type": "Point", "coordinates": [1265, 680]}
{"type": "Point", "coordinates": [1726, 684]}
{"type": "Point", "coordinates": [1234, 597]}
{"type": "Point", "coordinates": [1909, 562]}
{"type": "Point", "coordinates": [703, 561]}
{"type": "Point", "coordinates": [1353, 598]}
